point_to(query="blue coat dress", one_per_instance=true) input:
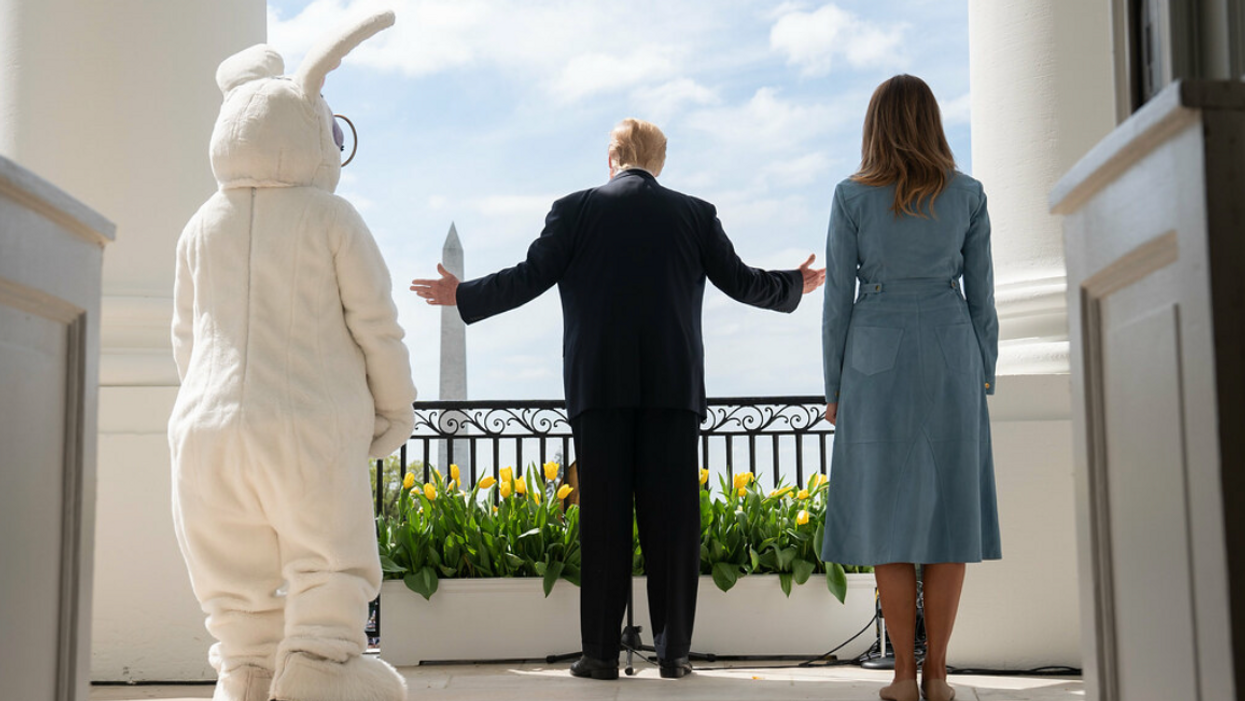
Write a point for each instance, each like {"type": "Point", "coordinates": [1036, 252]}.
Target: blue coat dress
{"type": "Point", "coordinates": [910, 362]}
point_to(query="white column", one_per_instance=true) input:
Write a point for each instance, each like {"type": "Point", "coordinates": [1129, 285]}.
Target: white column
{"type": "Point", "coordinates": [1041, 79]}
{"type": "Point", "coordinates": [114, 102]}
{"type": "Point", "coordinates": [1042, 86]}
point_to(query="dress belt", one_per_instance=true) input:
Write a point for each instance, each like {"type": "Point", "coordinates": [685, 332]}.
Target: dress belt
{"type": "Point", "coordinates": [914, 285]}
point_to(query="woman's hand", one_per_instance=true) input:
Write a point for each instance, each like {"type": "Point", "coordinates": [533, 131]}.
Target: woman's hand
{"type": "Point", "coordinates": [442, 292]}
{"type": "Point", "coordinates": [832, 413]}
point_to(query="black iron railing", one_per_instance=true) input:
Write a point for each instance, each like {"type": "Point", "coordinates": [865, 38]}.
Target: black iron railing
{"type": "Point", "coordinates": [768, 436]}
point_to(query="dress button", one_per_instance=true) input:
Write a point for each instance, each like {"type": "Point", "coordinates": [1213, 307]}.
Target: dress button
{"type": "Point", "coordinates": [987, 385]}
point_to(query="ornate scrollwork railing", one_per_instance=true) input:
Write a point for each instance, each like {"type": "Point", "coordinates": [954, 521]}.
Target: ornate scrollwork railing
{"type": "Point", "coordinates": [481, 436]}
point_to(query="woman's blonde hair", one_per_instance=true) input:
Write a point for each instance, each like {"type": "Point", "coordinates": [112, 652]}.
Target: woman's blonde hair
{"type": "Point", "coordinates": [904, 144]}
{"type": "Point", "coordinates": [635, 142]}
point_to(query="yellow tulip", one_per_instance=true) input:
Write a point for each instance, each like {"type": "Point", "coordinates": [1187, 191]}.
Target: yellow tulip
{"type": "Point", "coordinates": [803, 494]}
{"type": "Point", "coordinates": [504, 489]}
{"type": "Point", "coordinates": [454, 474]}
{"type": "Point", "coordinates": [452, 485]}
{"type": "Point", "coordinates": [536, 496]}
{"type": "Point", "coordinates": [783, 492]}
{"type": "Point", "coordinates": [738, 481]}
{"type": "Point", "coordinates": [437, 473]}
{"type": "Point", "coordinates": [742, 491]}
{"type": "Point", "coordinates": [430, 492]}
{"type": "Point", "coordinates": [564, 491]}
{"type": "Point", "coordinates": [520, 487]}
{"type": "Point", "coordinates": [487, 482]}
{"type": "Point", "coordinates": [408, 481]}
{"type": "Point", "coordinates": [773, 492]}
{"type": "Point", "coordinates": [507, 474]}
{"type": "Point", "coordinates": [551, 471]}
{"type": "Point", "coordinates": [816, 480]}
{"type": "Point", "coordinates": [704, 476]}
{"type": "Point", "coordinates": [801, 518]}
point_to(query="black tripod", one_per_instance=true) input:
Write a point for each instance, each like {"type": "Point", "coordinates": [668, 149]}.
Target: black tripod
{"type": "Point", "coordinates": [632, 643]}
{"type": "Point", "coordinates": [882, 654]}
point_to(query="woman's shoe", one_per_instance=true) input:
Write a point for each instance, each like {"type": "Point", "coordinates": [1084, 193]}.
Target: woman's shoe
{"type": "Point", "coordinates": [903, 690]}
{"type": "Point", "coordinates": [937, 690]}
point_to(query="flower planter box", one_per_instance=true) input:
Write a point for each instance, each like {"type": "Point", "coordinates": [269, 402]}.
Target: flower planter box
{"type": "Point", "coordinates": [510, 618]}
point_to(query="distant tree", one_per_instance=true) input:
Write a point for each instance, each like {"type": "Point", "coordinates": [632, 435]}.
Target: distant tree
{"type": "Point", "coordinates": [391, 481]}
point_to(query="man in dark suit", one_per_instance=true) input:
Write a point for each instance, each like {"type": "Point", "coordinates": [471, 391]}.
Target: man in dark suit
{"type": "Point", "coordinates": [630, 260]}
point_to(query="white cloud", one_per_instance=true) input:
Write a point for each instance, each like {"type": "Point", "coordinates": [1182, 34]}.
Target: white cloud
{"type": "Point", "coordinates": [570, 50]}
{"type": "Point", "coordinates": [360, 202]}
{"type": "Point", "coordinates": [814, 41]}
{"type": "Point", "coordinates": [592, 73]}
{"type": "Point", "coordinates": [800, 170]}
{"type": "Point", "coordinates": [661, 103]}
{"type": "Point", "coordinates": [529, 208]}
{"type": "Point", "coordinates": [768, 120]}
{"type": "Point", "coordinates": [956, 111]}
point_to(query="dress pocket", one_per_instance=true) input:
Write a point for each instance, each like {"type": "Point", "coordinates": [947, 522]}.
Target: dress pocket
{"type": "Point", "coordinates": [959, 347]}
{"type": "Point", "coordinates": [874, 348]}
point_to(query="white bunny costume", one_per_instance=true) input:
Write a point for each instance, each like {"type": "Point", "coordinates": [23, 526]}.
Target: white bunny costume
{"type": "Point", "coordinates": [293, 373]}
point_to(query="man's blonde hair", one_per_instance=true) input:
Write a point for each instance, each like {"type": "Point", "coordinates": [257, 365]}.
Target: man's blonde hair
{"type": "Point", "coordinates": [637, 143]}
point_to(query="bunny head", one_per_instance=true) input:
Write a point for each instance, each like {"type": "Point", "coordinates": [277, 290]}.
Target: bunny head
{"type": "Point", "coordinates": [275, 130]}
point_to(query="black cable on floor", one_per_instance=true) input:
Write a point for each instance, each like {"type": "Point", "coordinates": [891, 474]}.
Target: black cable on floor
{"type": "Point", "coordinates": [1047, 671]}
{"type": "Point", "coordinates": [812, 662]}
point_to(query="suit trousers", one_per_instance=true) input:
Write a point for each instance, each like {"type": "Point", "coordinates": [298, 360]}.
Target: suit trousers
{"type": "Point", "coordinates": [640, 461]}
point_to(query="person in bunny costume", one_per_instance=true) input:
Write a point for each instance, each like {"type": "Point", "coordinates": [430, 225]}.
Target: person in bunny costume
{"type": "Point", "coordinates": [293, 372]}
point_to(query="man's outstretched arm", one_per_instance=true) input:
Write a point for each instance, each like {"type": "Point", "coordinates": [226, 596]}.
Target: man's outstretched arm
{"type": "Point", "coordinates": [776, 290]}
{"type": "Point", "coordinates": [513, 287]}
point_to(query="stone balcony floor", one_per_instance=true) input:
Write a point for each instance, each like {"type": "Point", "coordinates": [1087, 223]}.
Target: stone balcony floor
{"type": "Point", "coordinates": [712, 682]}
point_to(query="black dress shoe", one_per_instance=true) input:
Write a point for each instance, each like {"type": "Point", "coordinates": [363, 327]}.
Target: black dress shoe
{"type": "Point", "coordinates": [592, 668]}
{"type": "Point", "coordinates": [675, 669]}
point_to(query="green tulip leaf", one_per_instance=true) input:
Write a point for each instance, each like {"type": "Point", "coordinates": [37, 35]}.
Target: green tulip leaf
{"type": "Point", "coordinates": [551, 576]}
{"type": "Point", "coordinates": [725, 575]}
{"type": "Point", "coordinates": [423, 582]}
{"type": "Point", "coordinates": [784, 580]}
{"type": "Point", "coordinates": [785, 557]}
{"type": "Point", "coordinates": [388, 565]}
{"type": "Point", "coordinates": [836, 581]}
{"type": "Point", "coordinates": [801, 570]}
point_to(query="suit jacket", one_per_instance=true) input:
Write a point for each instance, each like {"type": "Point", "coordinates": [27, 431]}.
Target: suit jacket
{"type": "Point", "coordinates": [630, 260]}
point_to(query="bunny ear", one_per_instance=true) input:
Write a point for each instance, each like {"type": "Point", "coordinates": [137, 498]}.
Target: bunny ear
{"type": "Point", "coordinates": [259, 61]}
{"type": "Point", "coordinates": [328, 55]}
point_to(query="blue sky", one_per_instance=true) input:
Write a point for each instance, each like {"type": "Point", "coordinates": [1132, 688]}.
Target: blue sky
{"type": "Point", "coordinates": [482, 112]}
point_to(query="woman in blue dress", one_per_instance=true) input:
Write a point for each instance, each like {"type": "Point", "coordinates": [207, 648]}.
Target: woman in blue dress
{"type": "Point", "coordinates": [908, 365]}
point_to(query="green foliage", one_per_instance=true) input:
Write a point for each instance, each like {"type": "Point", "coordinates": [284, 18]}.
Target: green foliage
{"type": "Point", "coordinates": [391, 479]}
{"type": "Point", "coordinates": [508, 529]}
{"type": "Point", "coordinates": [748, 532]}
{"type": "Point", "coordinates": [440, 531]}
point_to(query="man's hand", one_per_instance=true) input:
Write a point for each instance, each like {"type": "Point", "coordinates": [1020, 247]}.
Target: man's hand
{"type": "Point", "coordinates": [832, 413]}
{"type": "Point", "coordinates": [444, 291]}
{"type": "Point", "coordinates": [813, 278]}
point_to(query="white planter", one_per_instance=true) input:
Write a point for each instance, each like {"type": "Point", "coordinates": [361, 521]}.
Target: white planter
{"type": "Point", "coordinates": [492, 619]}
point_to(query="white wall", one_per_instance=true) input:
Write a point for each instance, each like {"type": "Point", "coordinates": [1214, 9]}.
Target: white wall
{"type": "Point", "coordinates": [114, 102]}
{"type": "Point", "coordinates": [1022, 611]}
